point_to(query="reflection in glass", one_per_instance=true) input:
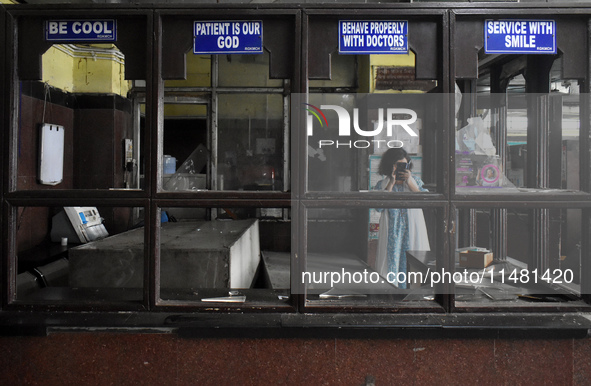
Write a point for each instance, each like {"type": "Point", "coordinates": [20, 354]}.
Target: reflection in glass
{"type": "Point", "coordinates": [348, 133]}
{"type": "Point", "coordinates": [69, 254]}
{"type": "Point", "coordinates": [400, 230]}
{"type": "Point", "coordinates": [348, 247]}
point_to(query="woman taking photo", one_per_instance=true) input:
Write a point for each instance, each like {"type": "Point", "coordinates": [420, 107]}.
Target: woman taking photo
{"type": "Point", "coordinates": [402, 229]}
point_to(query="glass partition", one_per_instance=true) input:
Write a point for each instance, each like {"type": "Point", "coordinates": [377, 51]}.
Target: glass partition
{"type": "Point", "coordinates": [520, 258]}
{"type": "Point", "coordinates": [251, 149]}
{"type": "Point", "coordinates": [371, 257]}
{"type": "Point", "coordinates": [78, 254]}
{"type": "Point", "coordinates": [494, 148]}
{"type": "Point", "coordinates": [185, 139]}
{"type": "Point", "coordinates": [76, 125]}
{"type": "Point", "coordinates": [237, 100]}
{"type": "Point", "coordinates": [374, 122]}
{"type": "Point", "coordinates": [373, 87]}
{"type": "Point", "coordinates": [520, 107]}
{"type": "Point", "coordinates": [352, 136]}
{"type": "Point", "coordinates": [237, 256]}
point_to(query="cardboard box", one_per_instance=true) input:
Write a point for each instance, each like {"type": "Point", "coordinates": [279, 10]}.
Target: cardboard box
{"type": "Point", "coordinates": [475, 259]}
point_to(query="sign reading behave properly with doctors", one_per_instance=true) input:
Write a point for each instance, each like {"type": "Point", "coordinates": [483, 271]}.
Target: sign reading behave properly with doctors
{"type": "Point", "coordinates": [228, 37]}
{"type": "Point", "coordinates": [520, 37]}
{"type": "Point", "coordinates": [81, 30]}
{"type": "Point", "coordinates": [373, 37]}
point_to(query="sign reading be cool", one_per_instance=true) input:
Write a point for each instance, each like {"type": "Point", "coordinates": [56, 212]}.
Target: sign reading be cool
{"type": "Point", "coordinates": [81, 30]}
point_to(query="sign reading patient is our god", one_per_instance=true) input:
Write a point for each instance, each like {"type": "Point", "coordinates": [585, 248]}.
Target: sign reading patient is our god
{"type": "Point", "coordinates": [81, 30]}
{"type": "Point", "coordinates": [520, 37]}
{"type": "Point", "coordinates": [228, 37]}
{"type": "Point", "coordinates": [373, 37]}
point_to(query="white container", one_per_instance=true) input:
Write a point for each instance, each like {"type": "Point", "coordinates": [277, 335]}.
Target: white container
{"type": "Point", "coordinates": [169, 164]}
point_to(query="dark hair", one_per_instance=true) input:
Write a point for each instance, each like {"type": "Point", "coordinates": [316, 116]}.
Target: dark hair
{"type": "Point", "coordinates": [389, 158]}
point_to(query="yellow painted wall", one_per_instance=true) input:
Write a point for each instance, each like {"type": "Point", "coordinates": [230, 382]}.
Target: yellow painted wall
{"type": "Point", "coordinates": [57, 69]}
{"type": "Point", "coordinates": [255, 106]}
{"type": "Point", "coordinates": [198, 72]}
{"type": "Point", "coordinates": [185, 110]}
{"type": "Point", "coordinates": [85, 70]}
{"type": "Point", "coordinates": [343, 71]}
{"type": "Point", "coordinates": [246, 71]}
{"type": "Point", "coordinates": [234, 71]}
{"type": "Point", "coordinates": [398, 60]}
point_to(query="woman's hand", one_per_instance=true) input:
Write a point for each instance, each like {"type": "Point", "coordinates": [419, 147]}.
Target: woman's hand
{"type": "Point", "coordinates": [391, 180]}
{"type": "Point", "coordinates": [392, 176]}
{"type": "Point", "coordinates": [406, 179]}
{"type": "Point", "coordinates": [412, 184]}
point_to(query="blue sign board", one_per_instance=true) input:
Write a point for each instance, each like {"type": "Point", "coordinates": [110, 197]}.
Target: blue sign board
{"type": "Point", "coordinates": [373, 37]}
{"type": "Point", "coordinates": [520, 37]}
{"type": "Point", "coordinates": [228, 37]}
{"type": "Point", "coordinates": [81, 30]}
